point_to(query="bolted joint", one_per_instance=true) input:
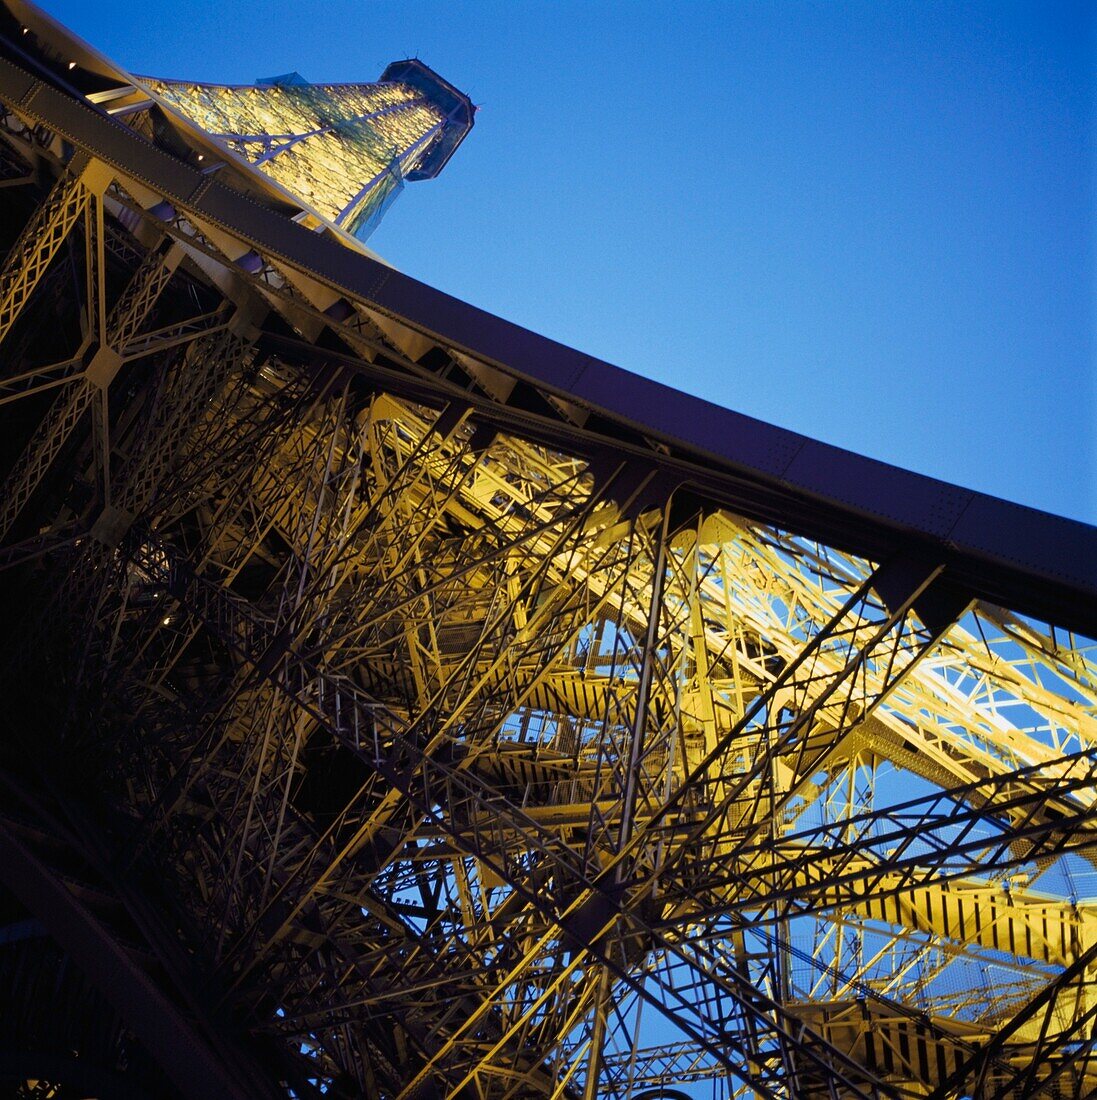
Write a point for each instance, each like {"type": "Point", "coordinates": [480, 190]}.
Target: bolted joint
{"type": "Point", "coordinates": [112, 526]}
{"type": "Point", "coordinates": [246, 322]}
{"type": "Point", "coordinates": [103, 367]}
{"type": "Point", "coordinates": [95, 175]}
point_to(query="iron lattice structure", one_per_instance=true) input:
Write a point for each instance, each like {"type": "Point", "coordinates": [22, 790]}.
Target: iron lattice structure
{"type": "Point", "coordinates": [345, 149]}
{"type": "Point", "coordinates": [401, 705]}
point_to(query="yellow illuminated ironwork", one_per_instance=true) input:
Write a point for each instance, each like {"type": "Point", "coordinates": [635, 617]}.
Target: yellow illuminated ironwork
{"type": "Point", "coordinates": [341, 148]}
{"type": "Point", "coordinates": [469, 761]}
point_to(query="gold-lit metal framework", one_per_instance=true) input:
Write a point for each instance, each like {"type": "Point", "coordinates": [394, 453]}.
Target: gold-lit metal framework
{"type": "Point", "coordinates": [417, 736]}
{"type": "Point", "coordinates": [342, 148]}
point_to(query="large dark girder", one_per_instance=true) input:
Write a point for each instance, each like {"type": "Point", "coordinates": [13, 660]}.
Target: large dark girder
{"type": "Point", "coordinates": [198, 1061]}
{"type": "Point", "coordinates": [51, 1009]}
{"type": "Point", "coordinates": [997, 551]}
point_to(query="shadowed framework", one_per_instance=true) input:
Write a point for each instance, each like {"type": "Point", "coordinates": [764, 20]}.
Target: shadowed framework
{"type": "Point", "coordinates": [401, 705]}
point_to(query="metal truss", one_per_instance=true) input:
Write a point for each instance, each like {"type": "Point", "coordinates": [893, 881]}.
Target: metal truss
{"type": "Point", "coordinates": [391, 726]}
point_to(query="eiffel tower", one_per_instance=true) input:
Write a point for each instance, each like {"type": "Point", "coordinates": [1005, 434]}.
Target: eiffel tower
{"type": "Point", "coordinates": [399, 704]}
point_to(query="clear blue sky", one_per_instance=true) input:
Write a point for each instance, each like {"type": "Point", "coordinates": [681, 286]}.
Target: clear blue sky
{"type": "Point", "coordinates": [873, 223]}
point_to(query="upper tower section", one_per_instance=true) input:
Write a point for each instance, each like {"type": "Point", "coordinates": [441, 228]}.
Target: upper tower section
{"type": "Point", "coordinates": [344, 149]}
{"type": "Point", "coordinates": [331, 157]}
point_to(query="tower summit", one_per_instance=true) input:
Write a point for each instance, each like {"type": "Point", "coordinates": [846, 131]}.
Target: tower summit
{"type": "Point", "coordinates": [345, 150]}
